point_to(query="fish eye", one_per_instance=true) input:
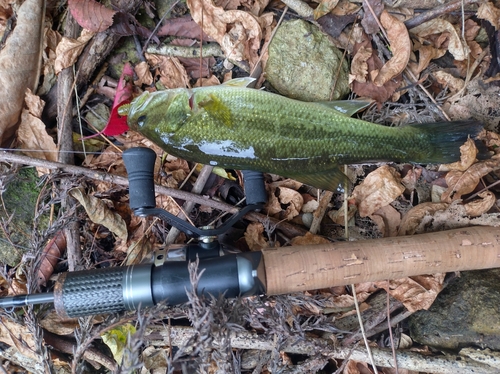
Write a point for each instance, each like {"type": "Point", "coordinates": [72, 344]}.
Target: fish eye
{"type": "Point", "coordinates": [141, 120]}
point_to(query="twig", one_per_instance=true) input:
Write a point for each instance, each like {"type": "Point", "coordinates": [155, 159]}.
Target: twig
{"type": "Point", "coordinates": [189, 205]}
{"type": "Point", "coordinates": [436, 12]}
{"type": "Point", "coordinates": [111, 178]}
{"type": "Point", "coordinates": [179, 336]}
{"type": "Point", "coordinates": [319, 213]}
{"type": "Point", "coordinates": [393, 348]}
{"type": "Point", "coordinates": [206, 50]}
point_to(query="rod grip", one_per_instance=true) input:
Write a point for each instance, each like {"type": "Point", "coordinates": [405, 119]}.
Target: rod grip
{"type": "Point", "coordinates": [140, 162]}
{"type": "Point", "coordinates": [302, 268]}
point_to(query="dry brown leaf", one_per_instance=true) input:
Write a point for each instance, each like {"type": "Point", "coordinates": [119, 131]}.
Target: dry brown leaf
{"type": "Point", "coordinates": [380, 188]}
{"type": "Point", "coordinates": [254, 236]}
{"type": "Point", "coordinates": [68, 50]}
{"type": "Point", "coordinates": [447, 80]}
{"type": "Point", "coordinates": [478, 207]}
{"type": "Point", "coordinates": [438, 26]}
{"type": "Point", "coordinates": [292, 199]}
{"type": "Point", "coordinates": [388, 220]}
{"type": "Point", "coordinates": [32, 134]}
{"type": "Point", "coordinates": [490, 13]}
{"type": "Point", "coordinates": [239, 33]}
{"type": "Point", "coordinates": [359, 65]}
{"type": "Point", "coordinates": [426, 53]}
{"type": "Point", "coordinates": [19, 336]}
{"type": "Point", "coordinates": [100, 214]}
{"type": "Point", "coordinates": [324, 7]}
{"type": "Point", "coordinates": [57, 325]}
{"type": "Point", "coordinates": [400, 43]}
{"type": "Point", "coordinates": [91, 15]}
{"type": "Point", "coordinates": [415, 216]}
{"type": "Point", "coordinates": [206, 82]}
{"type": "Point", "coordinates": [20, 64]}
{"type": "Point", "coordinates": [309, 239]}
{"type": "Point", "coordinates": [356, 367]}
{"type": "Point", "coordinates": [491, 139]}
{"type": "Point", "coordinates": [171, 72]}
{"type": "Point", "coordinates": [461, 183]}
{"type": "Point", "coordinates": [416, 293]}
{"type": "Point", "coordinates": [468, 153]}
{"type": "Point", "coordinates": [143, 74]}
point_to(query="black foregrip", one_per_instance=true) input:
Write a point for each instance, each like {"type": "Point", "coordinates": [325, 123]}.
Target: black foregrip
{"type": "Point", "coordinates": [139, 162]}
{"type": "Point", "coordinates": [255, 189]}
{"type": "Point", "coordinates": [82, 293]}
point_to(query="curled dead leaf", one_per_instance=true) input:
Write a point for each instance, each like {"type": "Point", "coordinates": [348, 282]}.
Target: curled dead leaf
{"type": "Point", "coordinates": [359, 65]}
{"type": "Point", "coordinates": [254, 236]}
{"type": "Point", "coordinates": [292, 199]}
{"type": "Point", "coordinates": [69, 49]}
{"type": "Point", "coordinates": [461, 183]}
{"type": "Point", "coordinates": [416, 293]}
{"type": "Point", "coordinates": [447, 80]}
{"type": "Point", "coordinates": [478, 207]}
{"type": "Point", "coordinates": [171, 72]}
{"type": "Point", "coordinates": [490, 13]}
{"type": "Point", "coordinates": [400, 43]}
{"type": "Point", "coordinates": [436, 26]}
{"type": "Point", "coordinates": [416, 215]}
{"type": "Point", "coordinates": [99, 213]}
{"type": "Point", "coordinates": [380, 188]}
{"type": "Point", "coordinates": [468, 153]}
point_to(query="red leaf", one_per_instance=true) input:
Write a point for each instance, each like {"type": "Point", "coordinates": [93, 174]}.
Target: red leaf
{"type": "Point", "coordinates": [91, 15]}
{"type": "Point", "coordinates": [118, 124]}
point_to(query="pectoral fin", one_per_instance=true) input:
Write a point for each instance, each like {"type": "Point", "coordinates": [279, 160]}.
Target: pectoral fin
{"type": "Point", "coordinates": [217, 110]}
{"type": "Point", "coordinates": [239, 82]}
{"type": "Point", "coordinates": [347, 107]}
{"type": "Point", "coordinates": [331, 180]}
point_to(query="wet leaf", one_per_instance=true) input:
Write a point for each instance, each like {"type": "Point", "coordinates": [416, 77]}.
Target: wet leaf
{"type": "Point", "coordinates": [438, 26]}
{"type": "Point", "coordinates": [20, 60]}
{"type": "Point", "coordinates": [100, 214]}
{"type": "Point", "coordinates": [416, 293]}
{"type": "Point", "coordinates": [116, 339]}
{"type": "Point", "coordinates": [412, 220]}
{"type": "Point", "coordinates": [461, 183]}
{"type": "Point", "coordinates": [400, 44]}
{"type": "Point", "coordinates": [91, 15]}
{"type": "Point", "coordinates": [32, 134]}
{"type": "Point", "coordinates": [468, 153]}
{"type": "Point", "coordinates": [380, 188]}
{"type": "Point", "coordinates": [68, 50]}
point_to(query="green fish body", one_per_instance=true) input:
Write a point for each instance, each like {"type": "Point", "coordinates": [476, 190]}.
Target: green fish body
{"type": "Point", "coordinates": [247, 129]}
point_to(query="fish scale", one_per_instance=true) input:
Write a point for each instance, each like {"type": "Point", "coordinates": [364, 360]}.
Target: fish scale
{"type": "Point", "coordinates": [237, 127]}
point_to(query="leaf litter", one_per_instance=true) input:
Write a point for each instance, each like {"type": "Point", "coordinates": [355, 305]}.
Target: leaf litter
{"type": "Point", "coordinates": [241, 28]}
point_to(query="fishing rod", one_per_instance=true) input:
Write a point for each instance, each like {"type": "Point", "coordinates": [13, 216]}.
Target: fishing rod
{"type": "Point", "coordinates": [270, 271]}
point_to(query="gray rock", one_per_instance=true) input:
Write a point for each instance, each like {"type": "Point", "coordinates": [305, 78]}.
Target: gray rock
{"type": "Point", "coordinates": [303, 64]}
{"type": "Point", "coordinates": [465, 313]}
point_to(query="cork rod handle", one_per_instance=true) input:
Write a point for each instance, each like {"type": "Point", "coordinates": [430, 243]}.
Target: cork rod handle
{"type": "Point", "coordinates": [302, 268]}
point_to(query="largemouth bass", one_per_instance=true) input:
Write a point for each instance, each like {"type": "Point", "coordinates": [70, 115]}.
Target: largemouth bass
{"type": "Point", "coordinates": [242, 128]}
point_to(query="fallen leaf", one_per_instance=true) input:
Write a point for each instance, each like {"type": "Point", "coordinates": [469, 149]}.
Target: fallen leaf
{"type": "Point", "coordinates": [480, 206]}
{"type": "Point", "coordinates": [380, 188]}
{"type": "Point", "coordinates": [426, 53]}
{"type": "Point", "coordinates": [184, 27]}
{"type": "Point", "coordinates": [400, 44]}
{"type": "Point", "coordinates": [143, 74]}
{"type": "Point", "coordinates": [116, 339]}
{"type": "Point", "coordinates": [55, 324]}
{"type": "Point", "coordinates": [239, 33]}
{"type": "Point", "coordinates": [388, 220]}
{"type": "Point", "coordinates": [91, 15]}
{"type": "Point", "coordinates": [359, 65]}
{"type": "Point", "coordinates": [100, 214]}
{"type": "Point", "coordinates": [416, 293]}
{"type": "Point", "coordinates": [20, 60]}
{"type": "Point", "coordinates": [170, 71]}
{"type": "Point", "coordinates": [194, 68]}
{"type": "Point", "coordinates": [369, 23]}
{"type": "Point", "coordinates": [356, 367]}
{"type": "Point", "coordinates": [324, 7]}
{"type": "Point", "coordinates": [32, 134]}
{"type": "Point", "coordinates": [438, 26]}
{"type": "Point", "coordinates": [309, 239]}
{"type": "Point", "coordinates": [461, 183]}
{"type": "Point", "coordinates": [52, 253]}
{"type": "Point", "coordinates": [449, 81]}
{"type": "Point", "coordinates": [468, 153]}
{"type": "Point", "coordinates": [206, 82]}
{"type": "Point", "coordinates": [254, 236]}
{"type": "Point", "coordinates": [292, 200]}
{"type": "Point", "coordinates": [68, 50]}
{"type": "Point", "coordinates": [490, 13]}
{"type": "Point", "coordinates": [415, 216]}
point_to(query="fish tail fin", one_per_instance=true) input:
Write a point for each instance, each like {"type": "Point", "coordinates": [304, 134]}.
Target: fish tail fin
{"type": "Point", "coordinates": [446, 138]}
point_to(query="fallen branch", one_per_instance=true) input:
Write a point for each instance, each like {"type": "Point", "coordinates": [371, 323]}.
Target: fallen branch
{"type": "Point", "coordinates": [180, 336]}
{"type": "Point", "coordinates": [207, 50]}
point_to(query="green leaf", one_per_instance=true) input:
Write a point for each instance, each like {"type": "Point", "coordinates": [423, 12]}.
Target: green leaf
{"type": "Point", "coordinates": [116, 339]}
